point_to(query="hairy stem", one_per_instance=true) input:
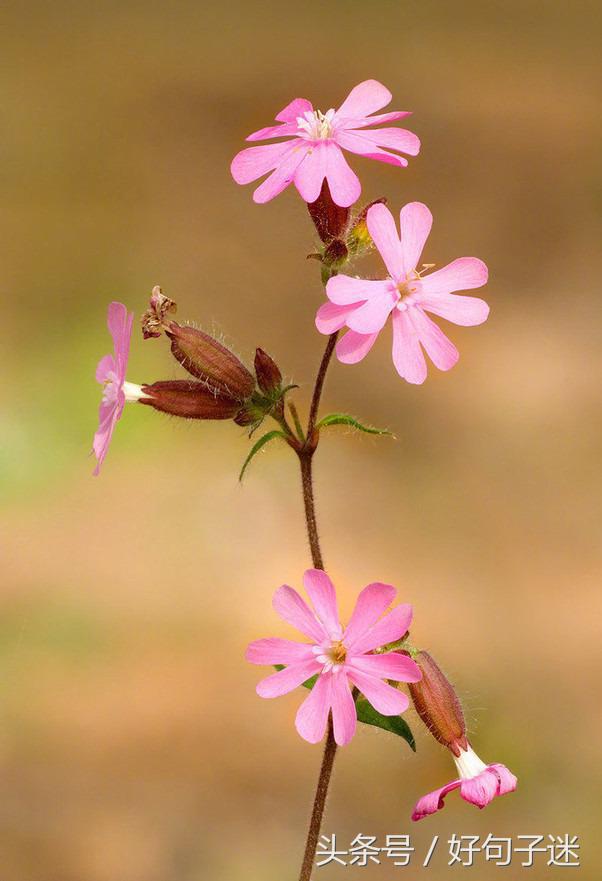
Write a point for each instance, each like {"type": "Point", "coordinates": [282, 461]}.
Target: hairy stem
{"type": "Point", "coordinates": [305, 460]}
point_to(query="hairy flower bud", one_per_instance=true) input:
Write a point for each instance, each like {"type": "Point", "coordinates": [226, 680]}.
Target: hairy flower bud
{"type": "Point", "coordinates": [191, 400]}
{"type": "Point", "coordinates": [155, 319]}
{"type": "Point", "coordinates": [358, 238]}
{"type": "Point", "coordinates": [269, 377]}
{"type": "Point", "coordinates": [438, 705]}
{"type": "Point", "coordinates": [329, 218]}
{"type": "Point", "coordinates": [205, 358]}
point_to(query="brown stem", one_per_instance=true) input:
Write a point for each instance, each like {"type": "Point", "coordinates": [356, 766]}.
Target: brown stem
{"type": "Point", "coordinates": [305, 460]}
{"type": "Point", "coordinates": [315, 400]}
{"type": "Point", "coordinates": [315, 824]}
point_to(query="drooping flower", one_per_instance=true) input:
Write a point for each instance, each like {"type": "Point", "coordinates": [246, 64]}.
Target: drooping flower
{"type": "Point", "coordinates": [110, 373]}
{"type": "Point", "coordinates": [407, 294]}
{"type": "Point", "coordinates": [315, 142]}
{"type": "Point", "coordinates": [436, 702]}
{"type": "Point", "coordinates": [478, 783]}
{"type": "Point", "coordinates": [341, 658]}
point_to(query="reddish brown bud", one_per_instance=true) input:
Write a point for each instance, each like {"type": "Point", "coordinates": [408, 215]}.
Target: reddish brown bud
{"type": "Point", "coordinates": [269, 377]}
{"type": "Point", "coordinates": [335, 254]}
{"type": "Point", "coordinates": [191, 400]}
{"type": "Point", "coordinates": [203, 357]}
{"type": "Point", "coordinates": [154, 319]}
{"type": "Point", "coordinates": [438, 705]}
{"type": "Point", "coordinates": [329, 218]}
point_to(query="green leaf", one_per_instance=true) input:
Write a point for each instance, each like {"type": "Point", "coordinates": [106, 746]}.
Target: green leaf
{"type": "Point", "coordinates": [345, 419]}
{"type": "Point", "coordinates": [395, 724]}
{"type": "Point", "coordinates": [369, 716]}
{"type": "Point", "coordinates": [265, 439]}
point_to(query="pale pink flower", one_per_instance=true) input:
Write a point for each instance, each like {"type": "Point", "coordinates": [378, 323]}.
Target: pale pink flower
{"type": "Point", "coordinates": [341, 658]}
{"type": "Point", "coordinates": [314, 145]}
{"type": "Point", "coordinates": [110, 373]}
{"type": "Point", "coordinates": [478, 783]}
{"type": "Point", "coordinates": [406, 295]}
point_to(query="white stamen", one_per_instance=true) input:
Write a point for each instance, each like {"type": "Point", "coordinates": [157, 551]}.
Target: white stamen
{"type": "Point", "coordinates": [317, 125]}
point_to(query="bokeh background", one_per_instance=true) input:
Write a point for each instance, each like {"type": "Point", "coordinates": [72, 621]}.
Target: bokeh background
{"type": "Point", "coordinates": [132, 744]}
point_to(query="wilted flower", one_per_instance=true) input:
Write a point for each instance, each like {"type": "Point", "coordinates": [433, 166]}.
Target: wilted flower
{"type": "Point", "coordinates": [439, 707]}
{"type": "Point", "coordinates": [407, 295]}
{"type": "Point", "coordinates": [313, 151]}
{"type": "Point", "coordinates": [341, 658]}
{"type": "Point", "coordinates": [110, 373]}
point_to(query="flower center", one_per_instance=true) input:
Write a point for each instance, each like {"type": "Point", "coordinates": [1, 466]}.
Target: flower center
{"type": "Point", "coordinates": [337, 653]}
{"type": "Point", "coordinates": [409, 287]}
{"type": "Point", "coordinates": [316, 125]}
{"type": "Point", "coordinates": [110, 391]}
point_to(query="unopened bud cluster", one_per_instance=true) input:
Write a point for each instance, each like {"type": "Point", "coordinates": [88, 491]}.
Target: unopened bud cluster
{"type": "Point", "coordinates": [223, 388]}
{"type": "Point", "coordinates": [344, 237]}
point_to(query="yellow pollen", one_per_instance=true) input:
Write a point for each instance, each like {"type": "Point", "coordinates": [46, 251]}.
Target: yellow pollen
{"type": "Point", "coordinates": [337, 652]}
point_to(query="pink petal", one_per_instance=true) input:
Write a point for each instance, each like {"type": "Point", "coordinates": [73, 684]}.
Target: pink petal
{"type": "Point", "coordinates": [407, 354]}
{"type": "Point", "coordinates": [467, 311]}
{"type": "Point", "coordinates": [284, 174]}
{"type": "Point", "coordinates": [330, 317]}
{"type": "Point", "coordinates": [312, 171]}
{"type": "Point", "coordinates": [253, 162]}
{"type": "Point", "coordinates": [355, 143]}
{"type": "Point", "coordinates": [379, 119]}
{"type": "Point", "coordinates": [108, 415]}
{"type": "Point", "coordinates": [371, 317]}
{"type": "Point", "coordinates": [383, 231]}
{"type": "Point", "coordinates": [312, 716]}
{"type": "Point", "coordinates": [415, 222]}
{"type": "Point", "coordinates": [372, 602]}
{"type": "Point", "coordinates": [364, 99]}
{"type": "Point", "coordinates": [399, 139]}
{"type": "Point", "coordinates": [389, 629]}
{"type": "Point", "coordinates": [384, 698]}
{"type": "Point", "coordinates": [293, 609]}
{"type": "Point", "coordinates": [480, 790]}
{"type": "Point", "coordinates": [391, 665]}
{"type": "Point", "coordinates": [322, 594]}
{"type": "Point", "coordinates": [439, 348]}
{"type": "Point", "coordinates": [345, 290]}
{"type": "Point", "coordinates": [344, 715]}
{"type": "Point", "coordinates": [288, 679]}
{"type": "Point", "coordinates": [462, 274]}
{"type": "Point", "coordinates": [120, 323]}
{"type": "Point", "coordinates": [297, 107]}
{"type": "Point", "coordinates": [353, 347]}
{"type": "Point", "coordinates": [278, 651]}
{"type": "Point", "coordinates": [344, 184]}
{"type": "Point", "coordinates": [105, 366]}
{"type": "Point", "coordinates": [507, 780]}
{"type": "Point", "coordinates": [433, 802]}
{"type": "Point", "coordinates": [287, 129]}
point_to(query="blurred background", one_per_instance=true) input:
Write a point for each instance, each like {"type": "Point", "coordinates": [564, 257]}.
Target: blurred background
{"type": "Point", "coordinates": [132, 744]}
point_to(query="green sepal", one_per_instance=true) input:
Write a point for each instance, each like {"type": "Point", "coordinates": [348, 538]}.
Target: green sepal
{"type": "Point", "coordinates": [345, 419]}
{"type": "Point", "coordinates": [266, 438]}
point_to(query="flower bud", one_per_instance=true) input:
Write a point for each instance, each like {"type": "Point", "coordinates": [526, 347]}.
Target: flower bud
{"type": "Point", "coordinates": [155, 319]}
{"type": "Point", "coordinates": [203, 357]}
{"type": "Point", "coordinates": [329, 218]}
{"type": "Point", "coordinates": [358, 238]}
{"type": "Point", "coordinates": [438, 705]}
{"type": "Point", "coordinates": [269, 377]}
{"type": "Point", "coordinates": [191, 400]}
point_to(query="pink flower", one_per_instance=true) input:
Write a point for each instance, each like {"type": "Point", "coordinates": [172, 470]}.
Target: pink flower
{"type": "Point", "coordinates": [407, 295]}
{"type": "Point", "coordinates": [315, 140]}
{"type": "Point", "coordinates": [110, 373]}
{"type": "Point", "coordinates": [340, 658]}
{"type": "Point", "coordinates": [478, 783]}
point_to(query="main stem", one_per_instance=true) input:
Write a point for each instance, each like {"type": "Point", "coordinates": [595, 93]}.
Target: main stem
{"type": "Point", "coordinates": [305, 460]}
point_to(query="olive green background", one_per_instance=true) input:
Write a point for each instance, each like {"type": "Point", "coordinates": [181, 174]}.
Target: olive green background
{"type": "Point", "coordinates": [132, 744]}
